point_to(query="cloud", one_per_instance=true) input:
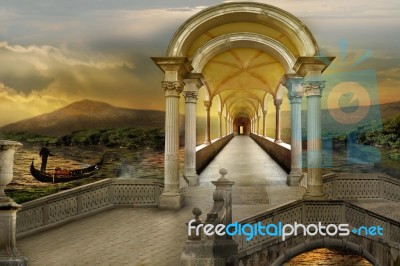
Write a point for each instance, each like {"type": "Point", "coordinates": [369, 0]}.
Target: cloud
{"type": "Point", "coordinates": [142, 24]}
{"type": "Point", "coordinates": [390, 74]}
{"type": "Point", "coordinates": [47, 52]}
{"type": "Point", "coordinates": [19, 105]}
{"type": "Point", "coordinates": [31, 76]}
{"type": "Point", "coordinates": [336, 9]}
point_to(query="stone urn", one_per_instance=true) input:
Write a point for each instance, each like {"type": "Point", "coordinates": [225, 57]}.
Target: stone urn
{"type": "Point", "coordinates": [7, 151]}
{"type": "Point", "coordinates": [9, 254]}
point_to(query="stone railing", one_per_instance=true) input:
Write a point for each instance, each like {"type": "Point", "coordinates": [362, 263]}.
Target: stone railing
{"type": "Point", "coordinates": [76, 203]}
{"type": "Point", "coordinates": [201, 249]}
{"type": "Point", "coordinates": [326, 212]}
{"type": "Point", "coordinates": [361, 186]}
{"type": "Point", "coordinates": [281, 152]}
{"type": "Point", "coordinates": [205, 153]}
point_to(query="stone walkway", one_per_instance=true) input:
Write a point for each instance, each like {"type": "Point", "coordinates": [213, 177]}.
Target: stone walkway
{"type": "Point", "coordinates": [155, 237]}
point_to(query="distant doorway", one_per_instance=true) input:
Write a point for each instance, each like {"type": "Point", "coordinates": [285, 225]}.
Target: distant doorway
{"type": "Point", "coordinates": [241, 130]}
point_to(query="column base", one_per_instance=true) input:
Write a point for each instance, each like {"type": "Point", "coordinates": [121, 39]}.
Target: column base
{"type": "Point", "coordinates": [193, 180]}
{"type": "Point", "coordinates": [314, 193]}
{"type": "Point", "coordinates": [9, 254]}
{"type": "Point", "coordinates": [207, 143]}
{"type": "Point", "coordinates": [172, 201]}
{"type": "Point", "coordinates": [278, 141]}
{"type": "Point", "coordinates": [293, 179]}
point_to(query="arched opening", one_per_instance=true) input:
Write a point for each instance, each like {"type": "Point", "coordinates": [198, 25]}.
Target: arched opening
{"type": "Point", "coordinates": [239, 52]}
{"type": "Point", "coordinates": [328, 243]}
{"type": "Point", "coordinates": [329, 257]}
{"type": "Point", "coordinates": [241, 126]}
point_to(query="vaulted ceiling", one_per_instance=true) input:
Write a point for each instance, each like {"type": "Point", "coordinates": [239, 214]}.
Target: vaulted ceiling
{"type": "Point", "coordinates": [244, 50]}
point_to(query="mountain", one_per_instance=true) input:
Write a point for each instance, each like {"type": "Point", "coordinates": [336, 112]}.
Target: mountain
{"type": "Point", "coordinates": [87, 114]}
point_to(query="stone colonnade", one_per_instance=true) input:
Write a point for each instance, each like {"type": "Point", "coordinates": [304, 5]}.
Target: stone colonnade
{"type": "Point", "coordinates": [178, 78]}
{"type": "Point", "coordinates": [307, 81]}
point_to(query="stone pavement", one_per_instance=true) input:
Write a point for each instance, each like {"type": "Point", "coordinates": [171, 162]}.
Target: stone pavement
{"type": "Point", "coordinates": [130, 236]}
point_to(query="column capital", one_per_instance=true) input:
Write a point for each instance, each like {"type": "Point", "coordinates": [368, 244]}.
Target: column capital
{"type": "Point", "coordinates": [313, 88]}
{"type": "Point", "coordinates": [219, 113]}
{"type": "Point", "coordinates": [172, 88]}
{"type": "Point", "coordinates": [264, 112]}
{"type": "Point", "coordinates": [207, 105]}
{"type": "Point", "coordinates": [295, 96]}
{"type": "Point", "coordinates": [190, 96]}
{"type": "Point", "coordinates": [278, 102]}
{"type": "Point", "coordinates": [293, 84]}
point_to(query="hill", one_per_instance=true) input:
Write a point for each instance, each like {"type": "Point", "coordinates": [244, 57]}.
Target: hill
{"type": "Point", "coordinates": [375, 112]}
{"type": "Point", "coordinates": [87, 114]}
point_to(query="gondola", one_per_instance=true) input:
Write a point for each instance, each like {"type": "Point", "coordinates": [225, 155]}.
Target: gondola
{"type": "Point", "coordinates": [59, 176]}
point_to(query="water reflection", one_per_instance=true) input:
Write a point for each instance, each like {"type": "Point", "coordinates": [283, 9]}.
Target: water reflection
{"type": "Point", "coordinates": [328, 257]}
{"type": "Point", "coordinates": [119, 162]}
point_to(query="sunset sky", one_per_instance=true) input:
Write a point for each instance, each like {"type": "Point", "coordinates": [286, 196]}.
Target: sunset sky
{"type": "Point", "coordinates": [54, 52]}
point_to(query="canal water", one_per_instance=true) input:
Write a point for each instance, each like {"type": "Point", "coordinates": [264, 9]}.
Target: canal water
{"type": "Point", "coordinates": [328, 257]}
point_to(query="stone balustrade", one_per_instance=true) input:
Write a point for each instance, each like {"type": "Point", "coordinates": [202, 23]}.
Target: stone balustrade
{"type": "Point", "coordinates": [213, 250]}
{"type": "Point", "coordinates": [381, 250]}
{"type": "Point", "coordinates": [361, 186]}
{"type": "Point", "coordinates": [66, 206]}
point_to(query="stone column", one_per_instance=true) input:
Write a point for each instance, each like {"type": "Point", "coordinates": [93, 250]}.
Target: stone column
{"type": "Point", "coordinates": [295, 94]}
{"type": "Point", "coordinates": [220, 124]}
{"type": "Point", "coordinates": [207, 105]}
{"type": "Point", "coordinates": [190, 94]}
{"type": "Point", "coordinates": [277, 103]}
{"type": "Point", "coordinates": [175, 68]}
{"type": "Point", "coordinates": [9, 255]}
{"type": "Point", "coordinates": [171, 167]}
{"type": "Point", "coordinates": [311, 68]}
{"type": "Point", "coordinates": [258, 124]}
{"type": "Point", "coordinates": [313, 91]}
{"type": "Point", "coordinates": [226, 126]}
{"type": "Point", "coordinates": [264, 131]}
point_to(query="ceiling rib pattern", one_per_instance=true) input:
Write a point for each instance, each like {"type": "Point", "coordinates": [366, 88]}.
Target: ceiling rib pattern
{"type": "Point", "coordinates": [242, 50]}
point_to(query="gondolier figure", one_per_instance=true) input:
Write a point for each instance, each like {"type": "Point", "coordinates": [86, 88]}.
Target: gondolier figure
{"type": "Point", "coordinates": [45, 153]}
